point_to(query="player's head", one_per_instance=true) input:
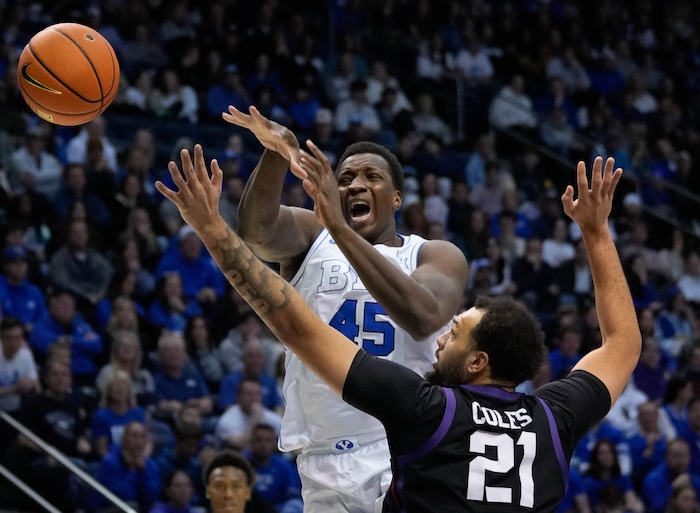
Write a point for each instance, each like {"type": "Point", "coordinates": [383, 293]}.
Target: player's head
{"type": "Point", "coordinates": [497, 339]}
{"type": "Point", "coordinates": [228, 478]}
{"type": "Point", "coordinates": [370, 184]}
{"type": "Point", "coordinates": [393, 165]}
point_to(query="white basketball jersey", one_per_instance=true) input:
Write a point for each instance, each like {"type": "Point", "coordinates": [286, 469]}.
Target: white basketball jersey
{"type": "Point", "coordinates": [314, 413]}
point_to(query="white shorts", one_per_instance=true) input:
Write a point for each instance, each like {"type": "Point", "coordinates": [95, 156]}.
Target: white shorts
{"type": "Point", "coordinates": [352, 480]}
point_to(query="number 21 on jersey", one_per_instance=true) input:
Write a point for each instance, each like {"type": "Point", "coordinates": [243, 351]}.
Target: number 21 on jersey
{"type": "Point", "coordinates": [502, 462]}
{"type": "Point", "coordinates": [364, 319]}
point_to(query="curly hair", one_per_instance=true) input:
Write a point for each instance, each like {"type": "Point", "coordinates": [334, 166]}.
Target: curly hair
{"type": "Point", "coordinates": [511, 336]}
{"type": "Point", "coordinates": [229, 458]}
{"type": "Point", "coordinates": [395, 168]}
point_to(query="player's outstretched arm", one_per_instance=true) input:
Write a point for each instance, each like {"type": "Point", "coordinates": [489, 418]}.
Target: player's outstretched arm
{"type": "Point", "coordinates": [615, 360]}
{"type": "Point", "coordinates": [323, 349]}
{"type": "Point", "coordinates": [276, 233]}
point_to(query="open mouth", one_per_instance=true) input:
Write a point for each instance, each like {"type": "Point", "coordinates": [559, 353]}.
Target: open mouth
{"type": "Point", "coordinates": [359, 211]}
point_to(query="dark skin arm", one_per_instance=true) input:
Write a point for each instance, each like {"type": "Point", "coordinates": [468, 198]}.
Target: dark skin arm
{"type": "Point", "coordinates": [435, 286]}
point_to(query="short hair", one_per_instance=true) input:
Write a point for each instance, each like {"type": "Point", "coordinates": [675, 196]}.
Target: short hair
{"type": "Point", "coordinates": [512, 337]}
{"type": "Point", "coordinates": [10, 323]}
{"type": "Point", "coordinates": [395, 168]}
{"type": "Point", "coordinates": [229, 458]}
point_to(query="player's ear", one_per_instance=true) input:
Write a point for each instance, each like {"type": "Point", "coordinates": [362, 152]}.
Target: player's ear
{"type": "Point", "coordinates": [477, 361]}
{"type": "Point", "coordinates": [398, 198]}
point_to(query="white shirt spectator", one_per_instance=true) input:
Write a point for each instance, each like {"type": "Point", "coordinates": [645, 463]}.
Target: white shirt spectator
{"type": "Point", "coordinates": [512, 107]}
{"type": "Point", "coordinates": [22, 365]}
{"type": "Point", "coordinates": [76, 151]}
{"type": "Point", "coordinates": [40, 173]}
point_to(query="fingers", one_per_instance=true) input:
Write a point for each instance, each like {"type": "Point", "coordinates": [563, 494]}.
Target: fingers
{"type": "Point", "coordinates": [581, 179]}
{"type": "Point", "coordinates": [167, 192]}
{"type": "Point", "coordinates": [217, 174]}
{"type": "Point", "coordinates": [318, 153]}
{"type": "Point", "coordinates": [567, 199]}
{"type": "Point", "coordinates": [200, 167]}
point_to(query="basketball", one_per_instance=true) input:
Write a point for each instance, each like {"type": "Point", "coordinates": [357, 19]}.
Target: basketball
{"type": "Point", "coordinates": [68, 74]}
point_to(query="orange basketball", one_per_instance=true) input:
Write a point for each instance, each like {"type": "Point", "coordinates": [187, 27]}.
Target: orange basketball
{"type": "Point", "coordinates": [68, 74]}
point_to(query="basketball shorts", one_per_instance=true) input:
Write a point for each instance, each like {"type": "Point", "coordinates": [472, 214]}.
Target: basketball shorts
{"type": "Point", "coordinates": [348, 477]}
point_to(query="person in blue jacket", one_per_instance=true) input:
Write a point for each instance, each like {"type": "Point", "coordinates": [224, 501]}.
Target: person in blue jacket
{"type": "Point", "coordinates": [63, 322]}
{"type": "Point", "coordinates": [128, 472]}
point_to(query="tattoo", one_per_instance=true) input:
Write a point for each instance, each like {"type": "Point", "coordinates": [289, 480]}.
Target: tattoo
{"type": "Point", "coordinates": [259, 285]}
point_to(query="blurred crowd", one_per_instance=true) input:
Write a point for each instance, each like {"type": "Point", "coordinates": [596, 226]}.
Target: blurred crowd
{"type": "Point", "coordinates": [124, 347]}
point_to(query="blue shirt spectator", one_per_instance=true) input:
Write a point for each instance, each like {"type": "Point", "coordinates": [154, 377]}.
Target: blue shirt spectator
{"type": "Point", "coordinates": [18, 297]}
{"type": "Point", "coordinates": [63, 322]}
{"type": "Point", "coordinates": [127, 472]}
{"type": "Point", "coordinates": [657, 485]}
{"type": "Point", "coordinates": [201, 279]}
{"type": "Point", "coordinates": [277, 479]}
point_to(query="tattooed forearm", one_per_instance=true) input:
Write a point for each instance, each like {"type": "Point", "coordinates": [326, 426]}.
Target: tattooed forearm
{"type": "Point", "coordinates": [260, 286]}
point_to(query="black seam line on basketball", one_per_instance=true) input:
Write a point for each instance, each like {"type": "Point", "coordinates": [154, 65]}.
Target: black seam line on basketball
{"type": "Point", "coordinates": [50, 72]}
{"type": "Point", "coordinates": [87, 57]}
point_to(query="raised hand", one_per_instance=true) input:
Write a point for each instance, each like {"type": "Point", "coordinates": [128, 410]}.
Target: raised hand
{"type": "Point", "coordinates": [272, 135]}
{"type": "Point", "coordinates": [322, 186]}
{"type": "Point", "coordinates": [197, 197]}
{"type": "Point", "coordinates": [592, 207]}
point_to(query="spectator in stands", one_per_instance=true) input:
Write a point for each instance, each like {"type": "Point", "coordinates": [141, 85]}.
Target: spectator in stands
{"type": "Point", "coordinates": [689, 282]}
{"type": "Point", "coordinates": [126, 355]}
{"type": "Point", "coordinates": [567, 351]}
{"type": "Point", "coordinates": [604, 470]}
{"type": "Point", "coordinates": [675, 323]}
{"type": "Point", "coordinates": [357, 110]}
{"type": "Point", "coordinates": [178, 382]}
{"type": "Point", "coordinates": [74, 190]}
{"type": "Point", "coordinates": [431, 59]}
{"type": "Point", "coordinates": [122, 284]}
{"type": "Point", "coordinates": [276, 478]}
{"type": "Point", "coordinates": [231, 91]}
{"type": "Point", "coordinates": [141, 93]}
{"type": "Point", "coordinates": [652, 371]}
{"type": "Point", "coordinates": [140, 228]}
{"type": "Point", "coordinates": [235, 426]}
{"type": "Point", "coordinates": [657, 486]}
{"type": "Point", "coordinates": [427, 121]}
{"type": "Point", "coordinates": [488, 197]}
{"type": "Point", "coordinates": [692, 434]}
{"type": "Point", "coordinates": [129, 472]}
{"type": "Point", "coordinates": [171, 308]}
{"type": "Point", "coordinates": [19, 297]}
{"type": "Point", "coordinates": [684, 499]}
{"type": "Point", "coordinates": [79, 268]}
{"type": "Point", "coordinates": [534, 280]}
{"type": "Point", "coordinates": [674, 406]}
{"type": "Point", "coordinates": [77, 148]}
{"type": "Point", "coordinates": [648, 444]}
{"type": "Point", "coordinates": [62, 322]}
{"type": "Point", "coordinates": [32, 167]}
{"type": "Point", "coordinates": [202, 351]}
{"type": "Point", "coordinates": [644, 294]}
{"type": "Point", "coordinates": [475, 168]}
{"type": "Point", "coordinates": [512, 109]}
{"type": "Point", "coordinates": [118, 407]}
{"type": "Point", "coordinates": [178, 492]}
{"type": "Point", "coordinates": [201, 280]}
{"type": "Point", "coordinates": [57, 416]}
{"type": "Point", "coordinates": [18, 371]}
{"type": "Point", "coordinates": [181, 456]}
{"type": "Point", "coordinates": [603, 431]}
{"type": "Point", "coordinates": [253, 368]}
{"type": "Point", "coordinates": [569, 69]}
{"type": "Point", "coordinates": [471, 63]}
{"type": "Point", "coordinates": [249, 328]}
{"type": "Point", "coordinates": [174, 99]}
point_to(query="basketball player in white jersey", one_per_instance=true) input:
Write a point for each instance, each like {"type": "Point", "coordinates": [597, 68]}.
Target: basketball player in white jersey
{"type": "Point", "coordinates": [389, 293]}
